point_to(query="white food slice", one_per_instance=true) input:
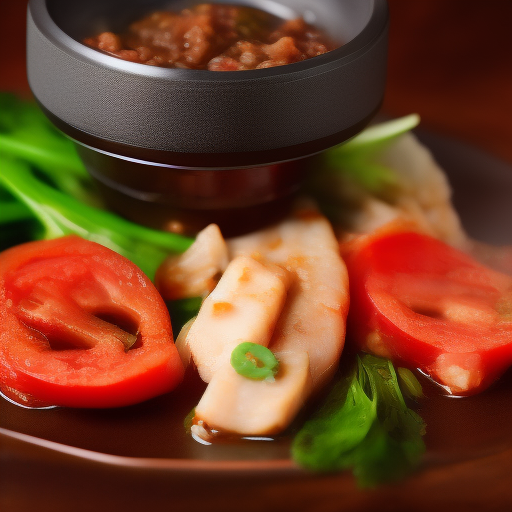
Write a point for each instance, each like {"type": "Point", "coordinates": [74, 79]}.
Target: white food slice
{"type": "Point", "coordinates": [195, 272]}
{"type": "Point", "coordinates": [244, 306]}
{"type": "Point", "coordinates": [181, 343]}
{"type": "Point", "coordinates": [314, 317]}
{"type": "Point", "coordinates": [236, 404]}
{"type": "Point", "coordinates": [425, 191]}
{"type": "Point", "coordinates": [421, 194]}
{"type": "Point", "coordinates": [458, 372]}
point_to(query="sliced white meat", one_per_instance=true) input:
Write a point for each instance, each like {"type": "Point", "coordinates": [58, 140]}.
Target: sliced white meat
{"type": "Point", "coordinates": [236, 404]}
{"type": "Point", "coordinates": [194, 273]}
{"type": "Point", "coordinates": [181, 343]}
{"type": "Point", "coordinates": [244, 306]}
{"type": "Point", "coordinates": [425, 193]}
{"type": "Point", "coordinates": [420, 194]}
{"type": "Point", "coordinates": [314, 316]}
{"type": "Point", "coordinates": [307, 340]}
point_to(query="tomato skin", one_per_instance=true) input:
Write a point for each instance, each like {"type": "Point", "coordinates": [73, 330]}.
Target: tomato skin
{"type": "Point", "coordinates": [59, 345]}
{"type": "Point", "coordinates": [426, 305]}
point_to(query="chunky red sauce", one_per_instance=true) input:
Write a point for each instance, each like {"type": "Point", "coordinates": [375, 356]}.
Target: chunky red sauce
{"type": "Point", "coordinates": [215, 37]}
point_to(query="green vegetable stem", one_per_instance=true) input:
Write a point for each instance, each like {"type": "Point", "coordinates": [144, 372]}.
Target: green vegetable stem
{"type": "Point", "coordinates": [364, 425]}
{"type": "Point", "coordinates": [43, 178]}
{"type": "Point", "coordinates": [356, 158]}
{"type": "Point", "coordinates": [61, 215]}
{"type": "Point", "coordinates": [25, 133]}
{"type": "Point", "coordinates": [376, 137]}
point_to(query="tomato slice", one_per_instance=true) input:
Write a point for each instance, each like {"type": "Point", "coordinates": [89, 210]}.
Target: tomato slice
{"type": "Point", "coordinates": [427, 305]}
{"type": "Point", "coordinates": [81, 326]}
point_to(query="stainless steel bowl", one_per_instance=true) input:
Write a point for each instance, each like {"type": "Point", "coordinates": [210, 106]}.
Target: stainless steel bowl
{"type": "Point", "coordinates": [187, 147]}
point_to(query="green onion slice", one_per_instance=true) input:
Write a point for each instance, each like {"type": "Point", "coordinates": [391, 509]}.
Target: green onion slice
{"type": "Point", "coordinates": [254, 361]}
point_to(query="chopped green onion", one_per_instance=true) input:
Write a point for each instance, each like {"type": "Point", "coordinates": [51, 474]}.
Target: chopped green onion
{"type": "Point", "coordinates": [254, 361]}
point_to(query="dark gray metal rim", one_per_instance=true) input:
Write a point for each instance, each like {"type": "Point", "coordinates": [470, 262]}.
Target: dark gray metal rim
{"type": "Point", "coordinates": [376, 25]}
{"type": "Point", "coordinates": [187, 112]}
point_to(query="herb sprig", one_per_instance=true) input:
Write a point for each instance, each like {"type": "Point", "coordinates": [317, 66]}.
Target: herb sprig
{"type": "Point", "coordinates": [59, 193]}
{"type": "Point", "coordinates": [364, 425]}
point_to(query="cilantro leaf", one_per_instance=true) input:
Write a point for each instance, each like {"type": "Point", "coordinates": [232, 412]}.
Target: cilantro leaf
{"type": "Point", "coordinates": [364, 425]}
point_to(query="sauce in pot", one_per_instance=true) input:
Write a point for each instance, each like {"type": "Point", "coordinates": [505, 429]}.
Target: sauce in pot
{"type": "Point", "coordinates": [215, 37]}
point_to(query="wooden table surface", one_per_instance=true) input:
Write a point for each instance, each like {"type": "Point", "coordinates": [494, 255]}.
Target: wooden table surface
{"type": "Point", "coordinates": [449, 60]}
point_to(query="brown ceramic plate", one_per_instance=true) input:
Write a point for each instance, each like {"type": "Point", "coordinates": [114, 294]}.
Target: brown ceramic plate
{"type": "Point", "coordinates": [141, 458]}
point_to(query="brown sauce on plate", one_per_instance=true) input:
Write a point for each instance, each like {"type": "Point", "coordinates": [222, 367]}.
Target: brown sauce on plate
{"type": "Point", "coordinates": [467, 440]}
{"type": "Point", "coordinates": [457, 428]}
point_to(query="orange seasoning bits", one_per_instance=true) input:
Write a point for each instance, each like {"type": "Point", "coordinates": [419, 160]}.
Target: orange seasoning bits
{"type": "Point", "coordinates": [219, 308]}
{"type": "Point", "coordinates": [245, 275]}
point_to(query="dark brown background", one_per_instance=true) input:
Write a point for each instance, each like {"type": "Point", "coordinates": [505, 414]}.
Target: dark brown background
{"type": "Point", "coordinates": [449, 60]}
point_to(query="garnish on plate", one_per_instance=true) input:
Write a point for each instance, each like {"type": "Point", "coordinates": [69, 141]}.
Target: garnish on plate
{"type": "Point", "coordinates": [364, 425]}
{"type": "Point", "coordinates": [254, 361]}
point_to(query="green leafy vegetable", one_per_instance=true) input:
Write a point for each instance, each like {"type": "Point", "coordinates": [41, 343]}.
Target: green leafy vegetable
{"type": "Point", "coordinates": [25, 133]}
{"type": "Point", "coordinates": [43, 178]}
{"type": "Point", "coordinates": [62, 215]}
{"type": "Point", "coordinates": [364, 425]}
{"type": "Point", "coordinates": [376, 137]}
{"type": "Point", "coordinates": [17, 224]}
{"type": "Point", "coordinates": [182, 310]}
{"type": "Point", "coordinates": [254, 361]}
{"type": "Point", "coordinates": [409, 383]}
{"type": "Point", "coordinates": [356, 158]}
{"type": "Point", "coordinates": [14, 211]}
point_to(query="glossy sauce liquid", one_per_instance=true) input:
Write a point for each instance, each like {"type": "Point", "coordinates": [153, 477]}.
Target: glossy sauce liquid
{"type": "Point", "coordinates": [458, 429]}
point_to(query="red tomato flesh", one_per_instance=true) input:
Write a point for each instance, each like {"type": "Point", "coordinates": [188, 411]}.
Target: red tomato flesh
{"type": "Point", "coordinates": [81, 326]}
{"type": "Point", "coordinates": [424, 304]}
